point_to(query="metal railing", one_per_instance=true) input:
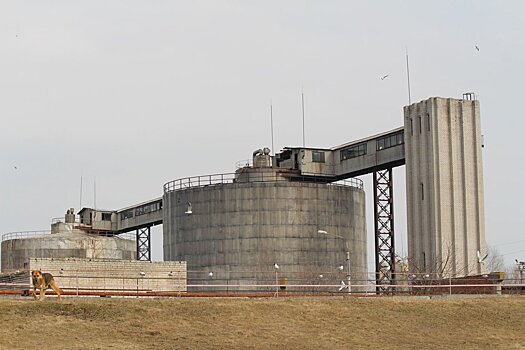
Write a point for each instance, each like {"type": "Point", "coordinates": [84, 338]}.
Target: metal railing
{"type": "Point", "coordinates": [198, 283]}
{"type": "Point", "coordinates": [244, 163]}
{"type": "Point", "coordinates": [23, 234]}
{"type": "Point", "coordinates": [29, 234]}
{"type": "Point", "coordinates": [63, 220]}
{"type": "Point", "coordinates": [228, 178]}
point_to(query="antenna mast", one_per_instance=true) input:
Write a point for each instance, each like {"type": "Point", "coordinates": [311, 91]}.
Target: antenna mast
{"type": "Point", "coordinates": [302, 104]}
{"type": "Point", "coordinates": [271, 125]}
{"type": "Point", "coordinates": [95, 193]}
{"type": "Point", "coordinates": [408, 79]}
{"type": "Point", "coordinates": [80, 193]}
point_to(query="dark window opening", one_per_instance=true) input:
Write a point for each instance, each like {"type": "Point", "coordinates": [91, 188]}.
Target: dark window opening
{"type": "Point", "coordinates": [127, 214]}
{"type": "Point", "coordinates": [106, 216]}
{"type": "Point", "coordinates": [390, 141]}
{"type": "Point", "coordinates": [354, 151]}
{"type": "Point", "coordinates": [317, 156]}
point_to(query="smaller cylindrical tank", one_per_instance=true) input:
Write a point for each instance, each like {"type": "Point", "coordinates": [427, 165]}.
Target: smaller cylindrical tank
{"type": "Point", "coordinates": [17, 248]}
{"type": "Point", "coordinates": [70, 216]}
{"type": "Point", "coordinates": [262, 158]}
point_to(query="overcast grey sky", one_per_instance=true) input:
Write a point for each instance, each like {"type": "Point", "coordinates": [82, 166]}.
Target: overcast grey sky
{"type": "Point", "coordinates": [138, 93]}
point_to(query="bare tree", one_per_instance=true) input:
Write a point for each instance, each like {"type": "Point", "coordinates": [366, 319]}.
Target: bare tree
{"type": "Point", "coordinates": [494, 261]}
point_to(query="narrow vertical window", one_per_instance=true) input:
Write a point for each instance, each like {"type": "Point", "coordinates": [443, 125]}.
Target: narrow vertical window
{"type": "Point", "coordinates": [428, 122]}
{"type": "Point", "coordinates": [422, 192]}
{"type": "Point", "coordinates": [411, 127]}
{"type": "Point", "coordinates": [420, 121]}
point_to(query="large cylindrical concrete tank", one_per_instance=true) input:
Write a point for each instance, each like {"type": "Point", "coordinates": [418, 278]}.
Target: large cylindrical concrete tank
{"type": "Point", "coordinates": [238, 228]}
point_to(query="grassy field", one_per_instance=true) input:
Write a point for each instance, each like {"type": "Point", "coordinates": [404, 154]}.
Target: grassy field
{"type": "Point", "coordinates": [279, 323]}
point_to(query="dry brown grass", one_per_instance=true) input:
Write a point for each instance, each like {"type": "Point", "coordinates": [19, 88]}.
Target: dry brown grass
{"type": "Point", "coordinates": [198, 323]}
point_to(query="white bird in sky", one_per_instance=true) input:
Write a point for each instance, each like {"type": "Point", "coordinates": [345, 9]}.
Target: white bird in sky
{"type": "Point", "coordinates": [480, 260]}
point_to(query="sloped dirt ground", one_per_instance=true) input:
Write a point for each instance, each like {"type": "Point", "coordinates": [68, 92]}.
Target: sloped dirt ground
{"type": "Point", "coordinates": [279, 323]}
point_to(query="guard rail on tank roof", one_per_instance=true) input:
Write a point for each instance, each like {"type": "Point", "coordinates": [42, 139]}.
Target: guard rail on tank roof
{"type": "Point", "coordinates": [63, 219]}
{"type": "Point", "coordinates": [227, 178]}
{"type": "Point", "coordinates": [24, 234]}
{"type": "Point", "coordinates": [244, 163]}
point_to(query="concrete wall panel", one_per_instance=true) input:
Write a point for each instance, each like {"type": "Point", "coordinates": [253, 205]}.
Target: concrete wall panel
{"type": "Point", "coordinates": [244, 228]}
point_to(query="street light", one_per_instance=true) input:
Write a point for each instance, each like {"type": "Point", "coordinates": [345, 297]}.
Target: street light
{"type": "Point", "coordinates": [323, 232]}
{"type": "Point", "coordinates": [521, 267]}
{"type": "Point", "coordinates": [276, 267]}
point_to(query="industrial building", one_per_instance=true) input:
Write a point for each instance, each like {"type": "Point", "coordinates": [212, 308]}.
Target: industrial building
{"type": "Point", "coordinates": [241, 226]}
{"type": "Point", "coordinates": [301, 213]}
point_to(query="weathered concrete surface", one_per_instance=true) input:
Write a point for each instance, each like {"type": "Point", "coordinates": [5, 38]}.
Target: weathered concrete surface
{"type": "Point", "coordinates": [239, 231]}
{"type": "Point", "coordinates": [16, 252]}
{"type": "Point", "coordinates": [445, 197]}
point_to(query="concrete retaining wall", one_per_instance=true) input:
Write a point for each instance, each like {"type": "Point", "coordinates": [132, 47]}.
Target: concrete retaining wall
{"type": "Point", "coordinates": [75, 274]}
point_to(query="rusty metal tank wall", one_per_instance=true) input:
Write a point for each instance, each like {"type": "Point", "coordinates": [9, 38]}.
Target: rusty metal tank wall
{"type": "Point", "coordinates": [17, 249]}
{"type": "Point", "coordinates": [238, 231]}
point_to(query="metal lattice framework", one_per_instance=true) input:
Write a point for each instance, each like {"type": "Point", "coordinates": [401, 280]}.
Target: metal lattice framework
{"type": "Point", "coordinates": [144, 244]}
{"type": "Point", "coordinates": [384, 230]}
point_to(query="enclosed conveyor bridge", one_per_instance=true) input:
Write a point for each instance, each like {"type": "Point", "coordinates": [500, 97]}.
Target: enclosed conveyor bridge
{"type": "Point", "coordinates": [377, 152]}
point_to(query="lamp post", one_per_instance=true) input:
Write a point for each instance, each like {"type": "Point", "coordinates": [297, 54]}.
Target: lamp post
{"type": "Point", "coordinates": [347, 247]}
{"type": "Point", "coordinates": [521, 267]}
{"type": "Point", "coordinates": [276, 267]}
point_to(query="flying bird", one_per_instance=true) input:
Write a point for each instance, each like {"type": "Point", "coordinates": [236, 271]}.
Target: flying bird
{"type": "Point", "coordinates": [16, 168]}
{"type": "Point", "coordinates": [477, 47]}
{"type": "Point", "coordinates": [384, 77]}
{"type": "Point", "coordinates": [342, 286]}
{"type": "Point", "coordinates": [480, 260]}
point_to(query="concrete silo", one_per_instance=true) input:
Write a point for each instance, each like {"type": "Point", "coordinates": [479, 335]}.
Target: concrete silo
{"type": "Point", "coordinates": [237, 226]}
{"type": "Point", "coordinates": [65, 240]}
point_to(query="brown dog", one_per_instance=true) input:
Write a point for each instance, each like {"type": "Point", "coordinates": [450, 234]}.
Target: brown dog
{"type": "Point", "coordinates": [44, 281]}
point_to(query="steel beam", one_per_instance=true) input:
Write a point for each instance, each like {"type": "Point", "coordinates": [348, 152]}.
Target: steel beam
{"type": "Point", "coordinates": [384, 230]}
{"type": "Point", "coordinates": [144, 243]}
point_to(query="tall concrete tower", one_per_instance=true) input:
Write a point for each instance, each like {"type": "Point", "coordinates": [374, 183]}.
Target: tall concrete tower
{"type": "Point", "coordinates": [444, 179]}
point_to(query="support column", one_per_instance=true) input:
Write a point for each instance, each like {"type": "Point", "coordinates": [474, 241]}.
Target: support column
{"type": "Point", "coordinates": [144, 244]}
{"type": "Point", "coordinates": [384, 230]}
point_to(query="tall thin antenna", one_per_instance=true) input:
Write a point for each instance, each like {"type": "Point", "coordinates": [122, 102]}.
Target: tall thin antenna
{"type": "Point", "coordinates": [302, 104]}
{"type": "Point", "coordinates": [95, 193]}
{"type": "Point", "coordinates": [271, 125]}
{"type": "Point", "coordinates": [80, 193]}
{"type": "Point", "coordinates": [408, 79]}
